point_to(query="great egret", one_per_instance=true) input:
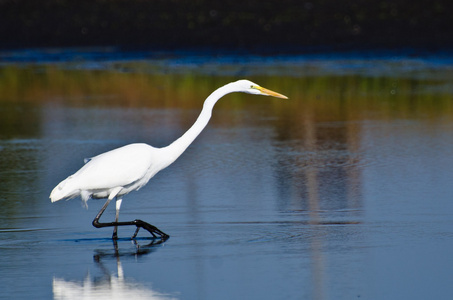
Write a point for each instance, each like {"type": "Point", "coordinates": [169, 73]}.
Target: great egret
{"type": "Point", "coordinates": [115, 173]}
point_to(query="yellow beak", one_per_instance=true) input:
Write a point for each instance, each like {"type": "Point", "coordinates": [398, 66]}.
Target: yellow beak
{"type": "Point", "coordinates": [270, 93]}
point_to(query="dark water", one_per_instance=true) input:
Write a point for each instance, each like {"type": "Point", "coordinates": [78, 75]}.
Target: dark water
{"type": "Point", "coordinates": [341, 192]}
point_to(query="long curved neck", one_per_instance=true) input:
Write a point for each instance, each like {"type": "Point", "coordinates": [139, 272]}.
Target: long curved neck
{"type": "Point", "coordinates": [175, 149]}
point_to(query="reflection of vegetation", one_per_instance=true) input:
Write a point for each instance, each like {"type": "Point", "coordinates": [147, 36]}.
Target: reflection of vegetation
{"type": "Point", "coordinates": [331, 97]}
{"type": "Point", "coordinates": [319, 128]}
{"type": "Point", "coordinates": [353, 97]}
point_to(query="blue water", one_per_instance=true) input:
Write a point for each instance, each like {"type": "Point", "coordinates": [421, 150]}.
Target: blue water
{"type": "Point", "coordinates": [394, 63]}
{"type": "Point", "coordinates": [355, 209]}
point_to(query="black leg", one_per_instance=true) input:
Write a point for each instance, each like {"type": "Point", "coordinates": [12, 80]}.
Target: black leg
{"type": "Point", "coordinates": [139, 223]}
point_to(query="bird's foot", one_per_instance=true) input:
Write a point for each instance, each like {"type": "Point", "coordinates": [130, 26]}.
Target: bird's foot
{"type": "Point", "coordinates": [150, 228]}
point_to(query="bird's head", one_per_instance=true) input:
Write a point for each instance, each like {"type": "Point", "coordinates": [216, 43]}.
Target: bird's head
{"type": "Point", "coordinates": [249, 87]}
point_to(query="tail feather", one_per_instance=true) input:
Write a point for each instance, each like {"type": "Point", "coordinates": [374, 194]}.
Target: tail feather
{"type": "Point", "coordinates": [64, 190]}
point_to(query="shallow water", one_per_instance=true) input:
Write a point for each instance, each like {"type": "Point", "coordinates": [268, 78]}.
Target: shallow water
{"type": "Point", "coordinates": [341, 192]}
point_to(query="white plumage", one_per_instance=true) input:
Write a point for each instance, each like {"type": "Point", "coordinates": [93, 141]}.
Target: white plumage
{"type": "Point", "coordinates": [129, 167]}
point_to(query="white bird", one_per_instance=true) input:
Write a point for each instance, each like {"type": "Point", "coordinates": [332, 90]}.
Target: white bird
{"type": "Point", "coordinates": [115, 173]}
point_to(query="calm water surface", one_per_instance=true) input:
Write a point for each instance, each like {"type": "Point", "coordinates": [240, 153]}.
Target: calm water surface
{"type": "Point", "coordinates": [342, 192]}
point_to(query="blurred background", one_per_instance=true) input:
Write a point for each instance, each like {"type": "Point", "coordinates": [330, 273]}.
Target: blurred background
{"type": "Point", "coordinates": [341, 192]}
{"type": "Point", "coordinates": [284, 25]}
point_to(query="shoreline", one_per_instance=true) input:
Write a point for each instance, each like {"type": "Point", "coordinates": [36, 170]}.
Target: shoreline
{"type": "Point", "coordinates": [112, 53]}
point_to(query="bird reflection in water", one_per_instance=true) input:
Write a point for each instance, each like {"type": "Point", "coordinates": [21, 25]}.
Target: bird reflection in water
{"type": "Point", "coordinates": [109, 286]}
